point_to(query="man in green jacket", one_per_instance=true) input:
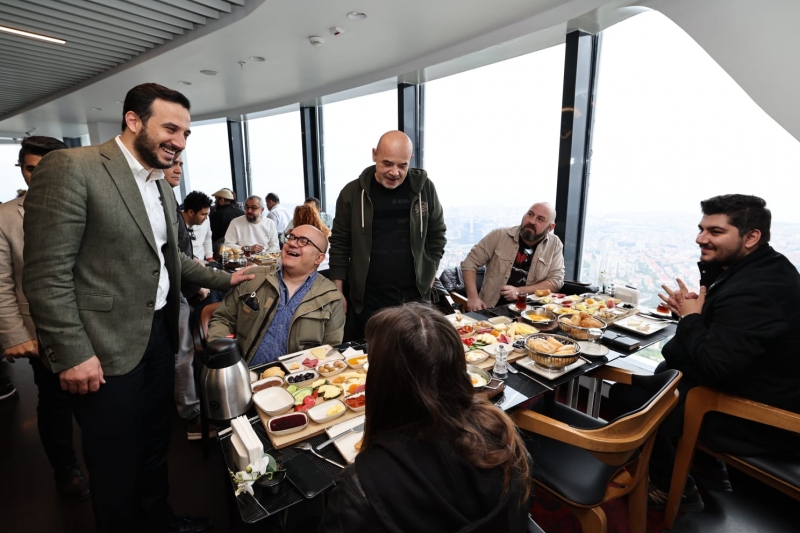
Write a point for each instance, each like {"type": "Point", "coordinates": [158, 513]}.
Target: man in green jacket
{"type": "Point", "coordinates": [284, 309]}
{"type": "Point", "coordinates": [388, 234]}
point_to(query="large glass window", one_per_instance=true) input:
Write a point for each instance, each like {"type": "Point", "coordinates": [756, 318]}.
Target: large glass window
{"type": "Point", "coordinates": [10, 176]}
{"type": "Point", "coordinates": [207, 158]}
{"type": "Point", "coordinates": [491, 144]}
{"type": "Point", "coordinates": [351, 130]}
{"type": "Point", "coordinates": [276, 158]}
{"type": "Point", "coordinates": [673, 128]}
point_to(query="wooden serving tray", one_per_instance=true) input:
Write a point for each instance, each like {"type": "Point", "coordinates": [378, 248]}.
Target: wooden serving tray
{"type": "Point", "coordinates": [311, 430]}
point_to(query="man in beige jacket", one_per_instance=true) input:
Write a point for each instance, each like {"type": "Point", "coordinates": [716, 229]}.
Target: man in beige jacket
{"type": "Point", "coordinates": [18, 334]}
{"type": "Point", "coordinates": [522, 258]}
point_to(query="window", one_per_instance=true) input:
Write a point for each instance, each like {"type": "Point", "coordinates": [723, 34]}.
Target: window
{"type": "Point", "coordinates": [671, 129]}
{"type": "Point", "coordinates": [491, 144]}
{"type": "Point", "coordinates": [12, 179]}
{"type": "Point", "coordinates": [276, 158]}
{"type": "Point", "coordinates": [351, 130]}
{"type": "Point", "coordinates": [207, 158]}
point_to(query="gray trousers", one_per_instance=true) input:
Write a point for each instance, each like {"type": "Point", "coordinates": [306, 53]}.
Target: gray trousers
{"type": "Point", "coordinates": [185, 391]}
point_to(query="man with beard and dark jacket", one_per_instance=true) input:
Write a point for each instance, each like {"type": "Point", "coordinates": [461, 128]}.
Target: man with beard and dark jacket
{"type": "Point", "coordinates": [388, 234]}
{"type": "Point", "coordinates": [738, 335]}
{"type": "Point", "coordinates": [224, 211]}
{"type": "Point", "coordinates": [522, 258]}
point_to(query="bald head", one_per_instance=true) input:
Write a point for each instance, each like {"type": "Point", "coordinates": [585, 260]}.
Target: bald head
{"type": "Point", "coordinates": [545, 207]}
{"type": "Point", "coordinates": [392, 158]}
{"type": "Point", "coordinates": [537, 222]}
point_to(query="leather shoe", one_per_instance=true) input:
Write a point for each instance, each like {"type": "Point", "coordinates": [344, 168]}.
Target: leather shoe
{"type": "Point", "coordinates": [71, 484]}
{"type": "Point", "coordinates": [189, 524]}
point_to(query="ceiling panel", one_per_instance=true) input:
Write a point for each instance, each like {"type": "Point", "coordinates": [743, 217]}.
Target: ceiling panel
{"type": "Point", "coordinates": [100, 35]}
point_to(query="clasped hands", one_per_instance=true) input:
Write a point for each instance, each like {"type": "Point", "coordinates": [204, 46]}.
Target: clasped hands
{"type": "Point", "coordinates": [682, 301]}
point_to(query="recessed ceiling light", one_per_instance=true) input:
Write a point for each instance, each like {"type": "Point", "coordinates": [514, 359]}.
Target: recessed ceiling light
{"type": "Point", "coordinates": [356, 15]}
{"type": "Point", "coordinates": [257, 58]}
{"type": "Point", "coordinates": [209, 72]}
{"type": "Point", "coordinates": [97, 109]}
{"type": "Point", "coordinates": [22, 33]}
{"type": "Point", "coordinates": [189, 83]}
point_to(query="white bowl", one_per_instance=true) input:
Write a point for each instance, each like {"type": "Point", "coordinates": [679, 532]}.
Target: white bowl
{"type": "Point", "coordinates": [274, 400]}
{"type": "Point", "coordinates": [319, 413]}
{"type": "Point", "coordinates": [335, 372]}
{"type": "Point", "coordinates": [356, 409]}
{"type": "Point", "coordinates": [253, 376]}
{"type": "Point", "coordinates": [277, 420]}
{"type": "Point", "coordinates": [276, 381]}
{"type": "Point", "coordinates": [351, 361]}
{"type": "Point", "coordinates": [289, 378]}
{"type": "Point", "coordinates": [479, 356]}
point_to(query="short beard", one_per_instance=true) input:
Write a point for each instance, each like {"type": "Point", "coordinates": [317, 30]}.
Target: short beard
{"type": "Point", "coordinates": [147, 150]}
{"type": "Point", "coordinates": [252, 220]}
{"type": "Point", "coordinates": [529, 235]}
{"type": "Point", "coordinates": [727, 260]}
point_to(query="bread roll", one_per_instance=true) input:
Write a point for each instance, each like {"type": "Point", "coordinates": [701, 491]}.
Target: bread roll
{"type": "Point", "coordinates": [273, 371]}
{"type": "Point", "coordinates": [542, 292]}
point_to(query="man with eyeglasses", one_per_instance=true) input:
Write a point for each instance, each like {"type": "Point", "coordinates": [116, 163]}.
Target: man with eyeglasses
{"type": "Point", "coordinates": [287, 308]}
{"type": "Point", "coordinates": [253, 229]}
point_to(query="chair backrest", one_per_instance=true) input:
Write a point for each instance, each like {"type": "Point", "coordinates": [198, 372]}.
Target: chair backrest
{"type": "Point", "coordinates": [205, 318]}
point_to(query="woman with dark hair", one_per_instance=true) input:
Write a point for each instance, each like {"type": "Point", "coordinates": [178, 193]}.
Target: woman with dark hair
{"type": "Point", "coordinates": [435, 457]}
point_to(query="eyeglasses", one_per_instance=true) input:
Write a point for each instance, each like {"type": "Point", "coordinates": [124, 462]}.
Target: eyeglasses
{"type": "Point", "coordinates": [302, 242]}
{"type": "Point", "coordinates": [191, 233]}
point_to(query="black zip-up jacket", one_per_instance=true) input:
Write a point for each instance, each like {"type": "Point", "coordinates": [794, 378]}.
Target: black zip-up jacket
{"type": "Point", "coordinates": [746, 341]}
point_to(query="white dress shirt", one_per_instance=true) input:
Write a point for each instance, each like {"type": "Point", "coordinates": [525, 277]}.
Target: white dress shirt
{"type": "Point", "coordinates": [280, 216]}
{"type": "Point", "coordinates": [243, 233]}
{"type": "Point", "coordinates": [146, 182]}
{"type": "Point", "coordinates": [201, 245]}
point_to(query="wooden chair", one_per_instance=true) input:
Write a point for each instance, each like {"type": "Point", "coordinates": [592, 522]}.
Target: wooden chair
{"type": "Point", "coordinates": [585, 462]}
{"type": "Point", "coordinates": [775, 472]}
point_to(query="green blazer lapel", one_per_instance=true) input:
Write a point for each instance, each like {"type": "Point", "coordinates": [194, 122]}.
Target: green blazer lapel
{"type": "Point", "coordinates": [119, 170]}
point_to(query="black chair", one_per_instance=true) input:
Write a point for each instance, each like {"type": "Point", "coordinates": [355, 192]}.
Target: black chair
{"type": "Point", "coordinates": [584, 461]}
{"type": "Point", "coordinates": [452, 280]}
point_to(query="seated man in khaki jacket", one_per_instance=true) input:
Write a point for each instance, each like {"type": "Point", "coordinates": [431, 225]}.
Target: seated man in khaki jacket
{"type": "Point", "coordinates": [287, 308]}
{"type": "Point", "coordinates": [522, 258]}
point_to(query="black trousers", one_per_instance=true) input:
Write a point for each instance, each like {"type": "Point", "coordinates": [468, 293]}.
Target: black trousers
{"type": "Point", "coordinates": [54, 417]}
{"type": "Point", "coordinates": [126, 428]}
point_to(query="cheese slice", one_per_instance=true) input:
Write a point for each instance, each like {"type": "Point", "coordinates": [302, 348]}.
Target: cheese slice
{"type": "Point", "coordinates": [319, 352]}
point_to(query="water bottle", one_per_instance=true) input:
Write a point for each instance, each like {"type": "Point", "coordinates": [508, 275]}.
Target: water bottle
{"type": "Point", "coordinates": [500, 370]}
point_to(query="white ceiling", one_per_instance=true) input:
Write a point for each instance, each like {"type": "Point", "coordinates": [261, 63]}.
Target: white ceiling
{"type": "Point", "coordinates": [413, 40]}
{"type": "Point", "coordinates": [100, 35]}
{"type": "Point", "coordinates": [397, 38]}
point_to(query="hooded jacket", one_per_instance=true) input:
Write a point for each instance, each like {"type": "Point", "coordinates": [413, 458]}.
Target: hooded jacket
{"type": "Point", "coordinates": [318, 320]}
{"type": "Point", "coordinates": [351, 238]}
{"type": "Point", "coordinates": [400, 485]}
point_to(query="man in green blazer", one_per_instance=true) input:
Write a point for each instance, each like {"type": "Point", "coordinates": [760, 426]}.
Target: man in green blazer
{"type": "Point", "coordinates": [102, 275]}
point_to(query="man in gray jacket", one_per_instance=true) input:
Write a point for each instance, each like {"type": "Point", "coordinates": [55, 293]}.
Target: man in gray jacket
{"type": "Point", "coordinates": [18, 333]}
{"type": "Point", "coordinates": [388, 234]}
{"type": "Point", "coordinates": [102, 276]}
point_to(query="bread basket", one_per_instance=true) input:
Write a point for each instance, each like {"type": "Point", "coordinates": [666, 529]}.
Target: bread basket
{"type": "Point", "coordinates": [577, 332]}
{"type": "Point", "coordinates": [548, 360]}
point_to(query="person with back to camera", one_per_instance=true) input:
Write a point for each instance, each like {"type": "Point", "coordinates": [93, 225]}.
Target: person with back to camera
{"type": "Point", "coordinates": [435, 457]}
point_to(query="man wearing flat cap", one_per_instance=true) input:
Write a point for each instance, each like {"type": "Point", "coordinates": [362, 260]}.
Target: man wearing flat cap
{"type": "Point", "coordinates": [224, 210]}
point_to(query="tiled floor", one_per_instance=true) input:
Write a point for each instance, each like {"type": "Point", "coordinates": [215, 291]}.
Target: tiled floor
{"type": "Point", "coordinates": [29, 502]}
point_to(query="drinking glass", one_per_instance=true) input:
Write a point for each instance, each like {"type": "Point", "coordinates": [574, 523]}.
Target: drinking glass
{"type": "Point", "coordinates": [522, 301]}
{"type": "Point", "coordinates": [246, 251]}
{"type": "Point", "coordinates": [593, 347]}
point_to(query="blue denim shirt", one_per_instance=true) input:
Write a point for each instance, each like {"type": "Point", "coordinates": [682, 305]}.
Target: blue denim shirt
{"type": "Point", "coordinates": [275, 340]}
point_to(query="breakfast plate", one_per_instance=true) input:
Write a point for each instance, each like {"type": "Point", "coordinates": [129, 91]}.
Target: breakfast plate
{"type": "Point", "coordinates": [641, 325]}
{"type": "Point", "coordinates": [347, 444]}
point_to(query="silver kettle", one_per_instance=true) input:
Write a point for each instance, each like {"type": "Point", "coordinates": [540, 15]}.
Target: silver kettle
{"type": "Point", "coordinates": [225, 381]}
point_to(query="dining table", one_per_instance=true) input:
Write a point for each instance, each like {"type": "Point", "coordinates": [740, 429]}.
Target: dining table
{"type": "Point", "coordinates": [521, 388]}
